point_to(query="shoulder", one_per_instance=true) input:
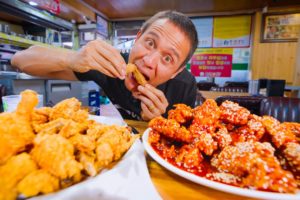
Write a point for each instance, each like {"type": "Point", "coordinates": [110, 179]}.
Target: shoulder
{"type": "Point", "coordinates": [184, 77]}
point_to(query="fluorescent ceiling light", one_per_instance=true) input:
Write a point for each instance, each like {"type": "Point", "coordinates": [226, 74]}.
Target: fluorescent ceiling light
{"type": "Point", "coordinates": [32, 3]}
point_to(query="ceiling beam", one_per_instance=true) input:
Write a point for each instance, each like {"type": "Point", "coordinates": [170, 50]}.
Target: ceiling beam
{"type": "Point", "coordinates": [91, 7]}
{"type": "Point", "coordinates": [80, 9]}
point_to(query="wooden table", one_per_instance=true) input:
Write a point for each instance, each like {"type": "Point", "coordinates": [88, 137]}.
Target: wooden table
{"type": "Point", "coordinates": [214, 95]}
{"type": "Point", "coordinates": [172, 186]}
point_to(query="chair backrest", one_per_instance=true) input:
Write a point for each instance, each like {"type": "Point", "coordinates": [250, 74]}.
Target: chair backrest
{"type": "Point", "coordinates": [206, 86]}
{"type": "Point", "coordinates": [284, 109]}
{"type": "Point", "coordinates": [243, 84]}
{"type": "Point", "coordinates": [275, 88]}
{"type": "Point", "coordinates": [252, 103]}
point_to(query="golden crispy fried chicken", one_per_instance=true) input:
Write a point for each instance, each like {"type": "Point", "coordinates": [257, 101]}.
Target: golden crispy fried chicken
{"type": "Point", "coordinates": [72, 128]}
{"type": "Point", "coordinates": [134, 71]}
{"type": "Point", "coordinates": [69, 109]}
{"type": "Point", "coordinates": [15, 130]}
{"type": "Point", "coordinates": [88, 162]}
{"type": "Point", "coordinates": [39, 117]}
{"type": "Point", "coordinates": [53, 127]}
{"type": "Point", "coordinates": [233, 113]}
{"type": "Point", "coordinates": [171, 128]}
{"type": "Point", "coordinates": [256, 164]}
{"type": "Point", "coordinates": [112, 144]}
{"type": "Point", "coordinates": [55, 154]}
{"type": "Point", "coordinates": [38, 182]}
{"type": "Point", "coordinates": [13, 171]}
{"type": "Point", "coordinates": [182, 113]}
{"type": "Point", "coordinates": [83, 143]}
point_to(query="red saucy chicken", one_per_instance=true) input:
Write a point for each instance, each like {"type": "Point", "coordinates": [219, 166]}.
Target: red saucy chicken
{"type": "Point", "coordinates": [230, 145]}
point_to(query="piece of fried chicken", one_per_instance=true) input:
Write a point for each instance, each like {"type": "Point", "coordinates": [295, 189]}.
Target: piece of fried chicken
{"type": "Point", "coordinates": [13, 171]}
{"type": "Point", "coordinates": [38, 182]}
{"type": "Point", "coordinates": [55, 154]}
{"type": "Point", "coordinates": [256, 164]}
{"type": "Point", "coordinates": [15, 130]}
{"type": "Point", "coordinates": [69, 109]}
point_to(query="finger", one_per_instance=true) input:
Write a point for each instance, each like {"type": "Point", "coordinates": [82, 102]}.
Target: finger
{"type": "Point", "coordinates": [156, 100]}
{"type": "Point", "coordinates": [147, 115]}
{"type": "Point", "coordinates": [104, 64]}
{"type": "Point", "coordinates": [150, 106]}
{"type": "Point", "coordinates": [111, 54]}
{"type": "Point", "coordinates": [96, 66]}
{"type": "Point", "coordinates": [158, 93]}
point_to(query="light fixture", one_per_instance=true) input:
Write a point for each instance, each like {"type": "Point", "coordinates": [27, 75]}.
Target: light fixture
{"type": "Point", "coordinates": [32, 3]}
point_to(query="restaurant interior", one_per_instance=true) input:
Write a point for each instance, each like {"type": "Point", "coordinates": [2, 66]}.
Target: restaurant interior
{"type": "Point", "coordinates": [248, 53]}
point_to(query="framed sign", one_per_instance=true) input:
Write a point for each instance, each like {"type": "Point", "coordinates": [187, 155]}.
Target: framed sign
{"type": "Point", "coordinates": [280, 27]}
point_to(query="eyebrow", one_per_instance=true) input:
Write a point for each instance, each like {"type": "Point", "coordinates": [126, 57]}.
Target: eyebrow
{"type": "Point", "coordinates": [171, 49]}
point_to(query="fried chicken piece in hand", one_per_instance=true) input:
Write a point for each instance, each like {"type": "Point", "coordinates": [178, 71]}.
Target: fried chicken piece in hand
{"type": "Point", "coordinates": [182, 113]}
{"type": "Point", "coordinates": [38, 182]}
{"type": "Point", "coordinates": [13, 171]}
{"type": "Point", "coordinates": [171, 129]}
{"type": "Point", "coordinates": [54, 153]}
{"type": "Point", "coordinates": [15, 130]}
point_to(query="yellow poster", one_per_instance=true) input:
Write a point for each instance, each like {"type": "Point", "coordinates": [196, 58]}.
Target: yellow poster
{"type": "Point", "coordinates": [232, 31]}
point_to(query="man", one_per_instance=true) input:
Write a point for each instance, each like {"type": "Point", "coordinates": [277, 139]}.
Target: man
{"type": "Point", "coordinates": [163, 46]}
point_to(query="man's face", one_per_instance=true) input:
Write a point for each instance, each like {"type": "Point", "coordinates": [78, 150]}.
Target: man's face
{"type": "Point", "coordinates": [158, 53]}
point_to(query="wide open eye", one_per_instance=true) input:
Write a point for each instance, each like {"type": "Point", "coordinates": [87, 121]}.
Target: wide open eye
{"type": "Point", "coordinates": [167, 59]}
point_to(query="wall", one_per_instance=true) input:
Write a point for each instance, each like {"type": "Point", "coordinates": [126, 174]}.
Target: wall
{"type": "Point", "coordinates": [272, 60]}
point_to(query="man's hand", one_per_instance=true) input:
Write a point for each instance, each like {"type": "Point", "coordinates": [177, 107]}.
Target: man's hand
{"type": "Point", "coordinates": [153, 102]}
{"type": "Point", "coordinates": [98, 55]}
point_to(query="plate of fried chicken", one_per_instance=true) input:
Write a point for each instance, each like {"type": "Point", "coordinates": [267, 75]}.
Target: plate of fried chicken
{"type": "Point", "coordinates": [46, 150]}
{"type": "Point", "coordinates": [229, 149]}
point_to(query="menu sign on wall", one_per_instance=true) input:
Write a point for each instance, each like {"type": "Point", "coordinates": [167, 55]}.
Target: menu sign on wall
{"type": "Point", "coordinates": [204, 27]}
{"type": "Point", "coordinates": [232, 31]}
{"type": "Point", "coordinates": [212, 62]}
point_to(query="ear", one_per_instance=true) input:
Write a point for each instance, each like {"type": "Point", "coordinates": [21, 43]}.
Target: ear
{"type": "Point", "coordinates": [138, 35]}
{"type": "Point", "coordinates": [177, 72]}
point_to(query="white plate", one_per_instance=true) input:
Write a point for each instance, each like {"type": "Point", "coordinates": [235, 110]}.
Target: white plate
{"type": "Point", "coordinates": [213, 184]}
{"type": "Point", "coordinates": [108, 120]}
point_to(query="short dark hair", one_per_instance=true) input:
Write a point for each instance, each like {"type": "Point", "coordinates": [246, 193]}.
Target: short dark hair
{"type": "Point", "coordinates": [180, 20]}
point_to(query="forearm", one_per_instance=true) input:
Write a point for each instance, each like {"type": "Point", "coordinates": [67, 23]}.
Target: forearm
{"type": "Point", "coordinates": [42, 61]}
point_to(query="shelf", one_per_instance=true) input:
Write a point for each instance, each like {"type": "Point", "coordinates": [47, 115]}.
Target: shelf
{"type": "Point", "coordinates": [22, 42]}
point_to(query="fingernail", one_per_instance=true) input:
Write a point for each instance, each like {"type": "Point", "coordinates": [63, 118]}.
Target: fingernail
{"type": "Point", "coordinates": [123, 72]}
{"type": "Point", "coordinates": [140, 87]}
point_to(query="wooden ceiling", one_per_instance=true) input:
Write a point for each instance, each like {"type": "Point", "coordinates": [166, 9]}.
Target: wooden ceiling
{"type": "Point", "coordinates": [140, 9]}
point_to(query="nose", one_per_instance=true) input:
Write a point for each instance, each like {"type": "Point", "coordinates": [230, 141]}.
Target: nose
{"type": "Point", "coordinates": [151, 59]}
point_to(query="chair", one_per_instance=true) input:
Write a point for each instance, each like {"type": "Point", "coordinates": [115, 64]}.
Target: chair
{"type": "Point", "coordinates": [243, 84]}
{"type": "Point", "coordinates": [205, 86]}
{"type": "Point", "coordinates": [281, 108]}
{"type": "Point", "coordinates": [252, 103]}
{"type": "Point", "coordinates": [275, 88]}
